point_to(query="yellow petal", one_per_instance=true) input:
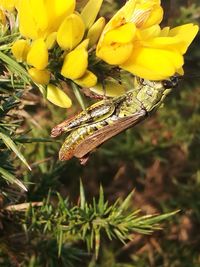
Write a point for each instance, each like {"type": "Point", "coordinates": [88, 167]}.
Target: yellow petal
{"type": "Point", "coordinates": [39, 76]}
{"type": "Point", "coordinates": [95, 31]}
{"type": "Point", "coordinates": [151, 32]}
{"type": "Point", "coordinates": [57, 11]}
{"type": "Point", "coordinates": [84, 44]}
{"type": "Point", "coordinates": [70, 32]}
{"type": "Point", "coordinates": [7, 4]}
{"type": "Point", "coordinates": [87, 80]}
{"type": "Point", "coordinates": [186, 33]}
{"type": "Point", "coordinates": [153, 64]}
{"type": "Point", "coordinates": [56, 96]}
{"type": "Point", "coordinates": [155, 17]}
{"type": "Point", "coordinates": [180, 71]}
{"type": "Point", "coordinates": [121, 17]}
{"type": "Point", "coordinates": [111, 89]}
{"type": "Point", "coordinates": [134, 11]}
{"type": "Point", "coordinates": [38, 54]}
{"type": "Point", "coordinates": [20, 49]}
{"type": "Point", "coordinates": [164, 32]}
{"type": "Point", "coordinates": [27, 25]}
{"type": "Point", "coordinates": [122, 34]}
{"type": "Point", "coordinates": [90, 11]}
{"type": "Point", "coordinates": [39, 18]}
{"type": "Point", "coordinates": [115, 54]}
{"type": "Point", "coordinates": [75, 64]}
{"type": "Point", "coordinates": [147, 13]}
{"type": "Point", "coordinates": [51, 40]}
{"type": "Point", "coordinates": [39, 13]}
{"type": "Point", "coordinates": [163, 42]}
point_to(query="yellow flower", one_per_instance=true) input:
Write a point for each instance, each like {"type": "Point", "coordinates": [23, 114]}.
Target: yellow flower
{"type": "Point", "coordinates": [75, 64]}
{"type": "Point", "coordinates": [38, 54]}
{"type": "Point", "coordinates": [39, 18]}
{"type": "Point", "coordinates": [39, 76]}
{"type": "Point", "coordinates": [134, 40]}
{"type": "Point", "coordinates": [70, 32]}
{"type": "Point", "coordinates": [159, 57]}
{"type": "Point", "coordinates": [20, 49]}
{"type": "Point", "coordinates": [87, 80]}
{"type": "Point", "coordinates": [58, 97]}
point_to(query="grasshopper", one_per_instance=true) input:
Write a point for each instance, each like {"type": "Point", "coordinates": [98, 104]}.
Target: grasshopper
{"type": "Point", "coordinates": [107, 118]}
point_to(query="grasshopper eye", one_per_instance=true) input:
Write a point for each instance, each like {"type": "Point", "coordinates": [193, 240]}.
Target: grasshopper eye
{"type": "Point", "coordinates": [171, 83]}
{"type": "Point", "coordinates": [167, 84]}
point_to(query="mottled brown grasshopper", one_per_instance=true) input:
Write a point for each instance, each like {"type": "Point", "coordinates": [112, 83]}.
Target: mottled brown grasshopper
{"type": "Point", "coordinates": [107, 118]}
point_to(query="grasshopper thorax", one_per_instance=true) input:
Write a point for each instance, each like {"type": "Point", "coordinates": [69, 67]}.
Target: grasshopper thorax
{"type": "Point", "coordinates": [172, 82]}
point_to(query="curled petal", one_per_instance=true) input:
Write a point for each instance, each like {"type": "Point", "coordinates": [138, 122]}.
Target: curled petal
{"type": "Point", "coordinates": [116, 53]}
{"type": "Point", "coordinates": [186, 33]}
{"type": "Point", "coordinates": [20, 49]}
{"type": "Point", "coordinates": [121, 17]}
{"type": "Point", "coordinates": [155, 17]}
{"type": "Point", "coordinates": [153, 64]}
{"type": "Point", "coordinates": [95, 31]}
{"type": "Point", "coordinates": [87, 80]}
{"type": "Point", "coordinates": [58, 97]}
{"type": "Point", "coordinates": [38, 55]}
{"type": "Point", "coordinates": [122, 34]}
{"type": "Point", "coordinates": [90, 11]}
{"type": "Point", "coordinates": [75, 64]}
{"type": "Point", "coordinates": [39, 76]}
{"type": "Point", "coordinates": [70, 32]}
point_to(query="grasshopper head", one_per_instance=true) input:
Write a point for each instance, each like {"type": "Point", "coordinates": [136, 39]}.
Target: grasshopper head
{"type": "Point", "coordinates": [170, 83]}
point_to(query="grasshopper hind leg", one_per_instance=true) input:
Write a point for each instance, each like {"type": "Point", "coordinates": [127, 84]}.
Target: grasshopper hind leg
{"type": "Point", "coordinates": [76, 137]}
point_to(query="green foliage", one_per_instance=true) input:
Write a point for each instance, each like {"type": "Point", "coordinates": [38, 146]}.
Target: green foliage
{"type": "Point", "coordinates": [88, 222]}
{"type": "Point", "coordinates": [12, 81]}
{"type": "Point", "coordinates": [8, 134]}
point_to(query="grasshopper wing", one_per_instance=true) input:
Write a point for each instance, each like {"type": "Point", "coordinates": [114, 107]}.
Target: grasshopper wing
{"type": "Point", "coordinates": [97, 112]}
{"type": "Point", "coordinates": [94, 140]}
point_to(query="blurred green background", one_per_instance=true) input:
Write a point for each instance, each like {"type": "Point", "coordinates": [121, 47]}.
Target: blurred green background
{"type": "Point", "coordinates": [160, 158]}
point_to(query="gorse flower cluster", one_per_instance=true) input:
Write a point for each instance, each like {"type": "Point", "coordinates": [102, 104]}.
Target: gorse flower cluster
{"type": "Point", "coordinates": [57, 41]}
{"type": "Point", "coordinates": [134, 40]}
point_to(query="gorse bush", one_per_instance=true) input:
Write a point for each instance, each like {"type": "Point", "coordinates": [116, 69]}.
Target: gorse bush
{"type": "Point", "coordinates": [70, 50]}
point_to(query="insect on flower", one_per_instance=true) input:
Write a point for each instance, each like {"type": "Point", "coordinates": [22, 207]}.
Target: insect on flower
{"type": "Point", "coordinates": [107, 118]}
